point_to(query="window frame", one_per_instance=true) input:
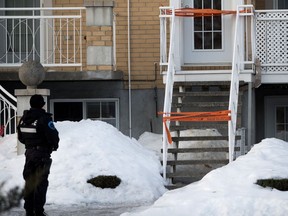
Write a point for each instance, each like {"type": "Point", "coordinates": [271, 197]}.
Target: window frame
{"type": "Point", "coordinates": [203, 31]}
{"type": "Point", "coordinates": [84, 107]}
{"type": "Point", "coordinates": [284, 124]}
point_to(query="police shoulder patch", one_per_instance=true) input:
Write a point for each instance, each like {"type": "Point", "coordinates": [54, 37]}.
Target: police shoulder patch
{"type": "Point", "coordinates": [51, 125]}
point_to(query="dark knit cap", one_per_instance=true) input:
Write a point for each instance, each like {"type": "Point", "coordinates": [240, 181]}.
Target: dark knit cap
{"type": "Point", "coordinates": [37, 101]}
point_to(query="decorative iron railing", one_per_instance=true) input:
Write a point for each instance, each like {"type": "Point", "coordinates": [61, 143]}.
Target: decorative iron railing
{"type": "Point", "coordinates": [51, 35]}
{"type": "Point", "coordinates": [8, 112]}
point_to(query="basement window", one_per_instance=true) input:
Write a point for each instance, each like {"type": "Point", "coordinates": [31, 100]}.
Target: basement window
{"type": "Point", "coordinates": [106, 110]}
{"type": "Point", "coordinates": [282, 122]}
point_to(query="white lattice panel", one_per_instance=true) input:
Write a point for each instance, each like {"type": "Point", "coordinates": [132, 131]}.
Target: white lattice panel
{"type": "Point", "coordinates": [272, 40]}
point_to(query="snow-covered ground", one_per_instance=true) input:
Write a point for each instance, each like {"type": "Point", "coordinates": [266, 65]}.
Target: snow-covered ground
{"type": "Point", "coordinates": [91, 148]}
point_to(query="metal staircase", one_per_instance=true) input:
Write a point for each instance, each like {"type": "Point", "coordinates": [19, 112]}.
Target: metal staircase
{"type": "Point", "coordinates": [201, 96]}
{"type": "Point", "coordinates": [199, 147]}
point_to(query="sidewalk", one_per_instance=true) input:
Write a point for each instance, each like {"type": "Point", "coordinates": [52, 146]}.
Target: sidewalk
{"type": "Point", "coordinates": [78, 210]}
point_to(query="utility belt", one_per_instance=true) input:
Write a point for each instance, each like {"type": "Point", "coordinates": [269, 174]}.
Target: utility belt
{"type": "Point", "coordinates": [40, 148]}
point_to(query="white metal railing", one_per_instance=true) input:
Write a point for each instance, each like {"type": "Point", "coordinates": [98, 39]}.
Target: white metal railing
{"type": "Point", "coordinates": [8, 112]}
{"type": "Point", "coordinates": [238, 64]}
{"type": "Point", "coordinates": [243, 55]}
{"type": "Point", "coordinates": [51, 35]}
{"type": "Point", "coordinates": [170, 70]}
{"type": "Point", "coordinates": [271, 40]}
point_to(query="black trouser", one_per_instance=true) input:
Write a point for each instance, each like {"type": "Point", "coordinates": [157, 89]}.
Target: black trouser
{"type": "Point", "coordinates": [35, 173]}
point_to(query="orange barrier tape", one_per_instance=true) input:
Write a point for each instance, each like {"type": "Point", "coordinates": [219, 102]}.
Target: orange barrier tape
{"type": "Point", "coordinates": [194, 12]}
{"type": "Point", "coordinates": [218, 116]}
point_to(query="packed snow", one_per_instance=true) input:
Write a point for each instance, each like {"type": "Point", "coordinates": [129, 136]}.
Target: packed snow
{"type": "Point", "coordinates": [91, 148]}
{"type": "Point", "coordinates": [88, 149]}
{"type": "Point", "coordinates": [231, 190]}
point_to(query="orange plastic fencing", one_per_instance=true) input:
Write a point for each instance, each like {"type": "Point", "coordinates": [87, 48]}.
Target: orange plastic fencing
{"type": "Point", "coordinates": [216, 116]}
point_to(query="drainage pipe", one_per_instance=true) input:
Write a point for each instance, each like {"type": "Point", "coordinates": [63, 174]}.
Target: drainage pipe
{"type": "Point", "coordinates": [129, 69]}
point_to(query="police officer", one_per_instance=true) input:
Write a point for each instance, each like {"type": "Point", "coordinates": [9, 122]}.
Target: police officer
{"type": "Point", "coordinates": [37, 132]}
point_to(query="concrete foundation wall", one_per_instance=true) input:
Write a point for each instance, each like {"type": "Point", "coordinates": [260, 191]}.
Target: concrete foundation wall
{"type": "Point", "coordinates": [145, 103]}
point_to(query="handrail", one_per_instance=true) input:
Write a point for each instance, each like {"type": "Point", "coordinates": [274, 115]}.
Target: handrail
{"type": "Point", "coordinates": [8, 112]}
{"type": "Point", "coordinates": [237, 67]}
{"type": "Point", "coordinates": [9, 95]}
{"type": "Point", "coordinates": [169, 83]}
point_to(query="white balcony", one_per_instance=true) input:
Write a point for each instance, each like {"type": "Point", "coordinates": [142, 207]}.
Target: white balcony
{"type": "Point", "coordinates": [264, 49]}
{"type": "Point", "coordinates": [52, 36]}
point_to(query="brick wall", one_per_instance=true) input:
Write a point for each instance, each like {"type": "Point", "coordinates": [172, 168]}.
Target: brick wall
{"type": "Point", "coordinates": [144, 41]}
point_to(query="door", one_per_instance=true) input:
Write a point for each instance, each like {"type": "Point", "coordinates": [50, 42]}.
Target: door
{"type": "Point", "coordinates": [208, 40]}
{"type": "Point", "coordinates": [276, 117]}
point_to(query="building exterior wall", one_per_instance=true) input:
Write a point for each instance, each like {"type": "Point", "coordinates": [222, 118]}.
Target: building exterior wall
{"type": "Point", "coordinates": [144, 41]}
{"type": "Point", "coordinates": [146, 81]}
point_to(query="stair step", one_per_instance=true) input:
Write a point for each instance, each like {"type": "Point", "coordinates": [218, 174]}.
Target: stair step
{"type": "Point", "coordinates": [201, 104]}
{"type": "Point", "coordinates": [175, 186]}
{"type": "Point", "coordinates": [206, 67]}
{"type": "Point", "coordinates": [199, 125]}
{"type": "Point", "coordinates": [185, 176]}
{"type": "Point", "coordinates": [197, 138]}
{"type": "Point", "coordinates": [214, 83]}
{"type": "Point", "coordinates": [198, 150]}
{"type": "Point", "coordinates": [203, 138]}
{"type": "Point", "coordinates": [202, 93]}
{"type": "Point", "coordinates": [195, 162]}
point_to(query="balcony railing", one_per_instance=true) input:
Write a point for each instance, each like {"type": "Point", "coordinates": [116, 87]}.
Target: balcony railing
{"type": "Point", "coordinates": [271, 40]}
{"type": "Point", "coordinates": [52, 36]}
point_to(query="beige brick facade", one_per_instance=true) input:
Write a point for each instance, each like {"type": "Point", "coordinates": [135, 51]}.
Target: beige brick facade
{"type": "Point", "coordinates": [144, 40]}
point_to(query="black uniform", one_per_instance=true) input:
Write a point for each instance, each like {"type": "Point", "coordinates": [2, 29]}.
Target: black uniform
{"type": "Point", "coordinates": [37, 132]}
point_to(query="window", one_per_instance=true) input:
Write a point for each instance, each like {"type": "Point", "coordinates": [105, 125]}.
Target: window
{"type": "Point", "coordinates": [96, 109]}
{"type": "Point", "coordinates": [282, 122]}
{"type": "Point", "coordinates": [20, 31]}
{"type": "Point", "coordinates": [102, 110]}
{"type": "Point", "coordinates": [281, 4]}
{"type": "Point", "coordinates": [72, 111]}
{"type": "Point", "coordinates": [208, 30]}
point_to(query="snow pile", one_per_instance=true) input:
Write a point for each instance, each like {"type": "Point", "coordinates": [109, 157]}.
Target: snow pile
{"type": "Point", "coordinates": [231, 190]}
{"type": "Point", "coordinates": [91, 148]}
{"type": "Point", "coordinates": [88, 149]}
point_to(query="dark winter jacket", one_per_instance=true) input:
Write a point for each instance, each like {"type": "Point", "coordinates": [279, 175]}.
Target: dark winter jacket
{"type": "Point", "coordinates": [36, 130]}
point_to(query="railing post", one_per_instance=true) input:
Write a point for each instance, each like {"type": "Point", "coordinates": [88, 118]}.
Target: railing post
{"type": "Point", "coordinates": [168, 88]}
